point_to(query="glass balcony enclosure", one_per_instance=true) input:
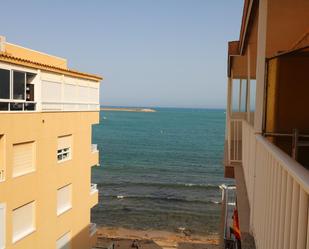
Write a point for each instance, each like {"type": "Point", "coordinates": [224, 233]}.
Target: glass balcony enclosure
{"type": "Point", "coordinates": [23, 89]}
{"type": "Point", "coordinates": [16, 91]}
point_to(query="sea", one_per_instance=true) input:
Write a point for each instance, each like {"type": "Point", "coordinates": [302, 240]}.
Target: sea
{"type": "Point", "coordinates": [160, 170]}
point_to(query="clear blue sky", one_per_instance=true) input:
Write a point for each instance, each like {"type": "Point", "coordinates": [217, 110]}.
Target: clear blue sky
{"type": "Point", "coordinates": [150, 52]}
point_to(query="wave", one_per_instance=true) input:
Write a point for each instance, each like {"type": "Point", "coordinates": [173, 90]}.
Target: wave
{"type": "Point", "coordinates": [162, 185]}
{"type": "Point", "coordinates": [170, 199]}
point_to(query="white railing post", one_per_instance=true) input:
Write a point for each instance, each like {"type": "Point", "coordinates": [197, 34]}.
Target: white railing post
{"type": "Point", "coordinates": [288, 205]}
{"type": "Point", "coordinates": [282, 210]}
{"type": "Point", "coordinates": [294, 217]}
{"type": "Point", "coordinates": [302, 220]}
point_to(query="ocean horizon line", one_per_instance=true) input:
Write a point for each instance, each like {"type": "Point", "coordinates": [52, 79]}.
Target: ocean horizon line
{"type": "Point", "coordinates": [163, 107]}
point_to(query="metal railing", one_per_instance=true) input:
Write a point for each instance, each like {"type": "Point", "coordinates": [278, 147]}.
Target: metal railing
{"type": "Point", "coordinates": [228, 205]}
{"type": "Point", "coordinates": [93, 187]}
{"type": "Point", "coordinates": [94, 148]}
{"type": "Point", "coordinates": [235, 140]}
{"type": "Point", "coordinates": [17, 105]}
{"type": "Point", "coordinates": [278, 191]}
{"type": "Point", "coordinates": [92, 229]}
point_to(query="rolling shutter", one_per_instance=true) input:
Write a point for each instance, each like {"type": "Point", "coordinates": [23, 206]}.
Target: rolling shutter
{"type": "Point", "coordinates": [69, 93]}
{"type": "Point", "coordinates": [64, 142]}
{"type": "Point", "coordinates": [23, 158]}
{"type": "Point", "coordinates": [23, 221]}
{"type": "Point", "coordinates": [82, 94]}
{"type": "Point", "coordinates": [93, 95]}
{"type": "Point", "coordinates": [64, 198]}
{"type": "Point", "coordinates": [51, 91]}
{"type": "Point", "coordinates": [64, 241]}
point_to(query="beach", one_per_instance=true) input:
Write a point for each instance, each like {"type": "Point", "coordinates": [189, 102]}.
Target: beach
{"type": "Point", "coordinates": [154, 239]}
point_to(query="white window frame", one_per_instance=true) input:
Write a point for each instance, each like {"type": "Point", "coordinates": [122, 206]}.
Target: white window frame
{"type": "Point", "coordinates": [11, 99]}
{"type": "Point", "coordinates": [62, 152]}
{"type": "Point", "coordinates": [12, 84]}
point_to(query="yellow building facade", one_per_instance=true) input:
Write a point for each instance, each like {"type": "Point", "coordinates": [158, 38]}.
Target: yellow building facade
{"type": "Point", "coordinates": [46, 154]}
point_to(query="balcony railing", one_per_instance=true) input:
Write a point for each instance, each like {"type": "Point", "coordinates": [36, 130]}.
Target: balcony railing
{"type": "Point", "coordinates": [235, 141]}
{"type": "Point", "coordinates": [92, 229]}
{"type": "Point", "coordinates": [94, 148]}
{"type": "Point", "coordinates": [17, 105]}
{"type": "Point", "coordinates": [228, 205]}
{"type": "Point", "coordinates": [278, 191]}
{"type": "Point", "coordinates": [93, 188]}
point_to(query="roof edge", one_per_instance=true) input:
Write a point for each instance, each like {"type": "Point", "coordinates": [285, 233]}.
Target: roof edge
{"type": "Point", "coordinates": [247, 14]}
{"type": "Point", "coordinates": [28, 63]}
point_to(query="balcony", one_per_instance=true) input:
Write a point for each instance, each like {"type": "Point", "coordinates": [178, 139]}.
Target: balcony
{"type": "Point", "coordinates": [92, 229]}
{"type": "Point", "coordinates": [17, 105]}
{"type": "Point", "coordinates": [278, 193]}
{"type": "Point", "coordinates": [94, 194]}
{"type": "Point", "coordinates": [228, 206]}
{"type": "Point", "coordinates": [94, 155]}
{"type": "Point", "coordinates": [93, 188]}
{"type": "Point", "coordinates": [94, 148]}
{"type": "Point", "coordinates": [31, 90]}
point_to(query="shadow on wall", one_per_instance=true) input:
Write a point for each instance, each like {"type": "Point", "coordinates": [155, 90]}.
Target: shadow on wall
{"type": "Point", "coordinates": [85, 239]}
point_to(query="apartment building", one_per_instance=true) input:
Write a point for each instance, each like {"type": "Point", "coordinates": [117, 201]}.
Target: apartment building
{"type": "Point", "coordinates": [46, 154]}
{"type": "Point", "coordinates": [267, 124]}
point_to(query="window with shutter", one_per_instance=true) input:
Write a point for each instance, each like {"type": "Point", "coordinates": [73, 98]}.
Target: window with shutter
{"type": "Point", "coordinates": [64, 199]}
{"type": "Point", "coordinates": [64, 241]}
{"type": "Point", "coordinates": [23, 158]}
{"type": "Point", "coordinates": [23, 221]}
{"type": "Point", "coordinates": [64, 150]}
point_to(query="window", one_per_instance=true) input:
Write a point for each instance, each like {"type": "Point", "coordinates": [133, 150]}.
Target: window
{"type": "Point", "coordinates": [2, 225]}
{"type": "Point", "coordinates": [19, 85]}
{"type": "Point", "coordinates": [64, 199]}
{"type": "Point", "coordinates": [64, 152]}
{"type": "Point", "coordinates": [239, 95]}
{"type": "Point", "coordinates": [252, 94]}
{"type": "Point", "coordinates": [64, 241]}
{"type": "Point", "coordinates": [23, 158]}
{"type": "Point", "coordinates": [16, 85]}
{"type": "Point", "coordinates": [23, 221]}
{"type": "Point", "coordinates": [5, 84]}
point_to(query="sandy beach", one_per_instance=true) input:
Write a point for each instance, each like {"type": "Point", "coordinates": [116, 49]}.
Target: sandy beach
{"type": "Point", "coordinates": [152, 239]}
{"type": "Point", "coordinates": [119, 109]}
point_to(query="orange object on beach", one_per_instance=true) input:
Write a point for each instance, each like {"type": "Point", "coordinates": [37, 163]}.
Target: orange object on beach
{"type": "Point", "coordinates": [236, 224]}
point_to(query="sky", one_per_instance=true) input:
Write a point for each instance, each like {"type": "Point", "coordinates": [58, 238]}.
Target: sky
{"type": "Point", "coordinates": [169, 53]}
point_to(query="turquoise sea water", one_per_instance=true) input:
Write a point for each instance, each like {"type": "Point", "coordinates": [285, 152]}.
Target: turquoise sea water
{"type": "Point", "coordinates": [160, 170]}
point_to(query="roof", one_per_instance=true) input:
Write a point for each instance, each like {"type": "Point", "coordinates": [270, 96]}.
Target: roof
{"type": "Point", "coordinates": [250, 7]}
{"type": "Point", "coordinates": [5, 57]}
{"type": "Point", "coordinates": [236, 48]}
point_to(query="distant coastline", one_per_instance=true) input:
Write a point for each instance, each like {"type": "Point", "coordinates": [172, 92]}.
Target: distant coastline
{"type": "Point", "coordinates": [127, 109]}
